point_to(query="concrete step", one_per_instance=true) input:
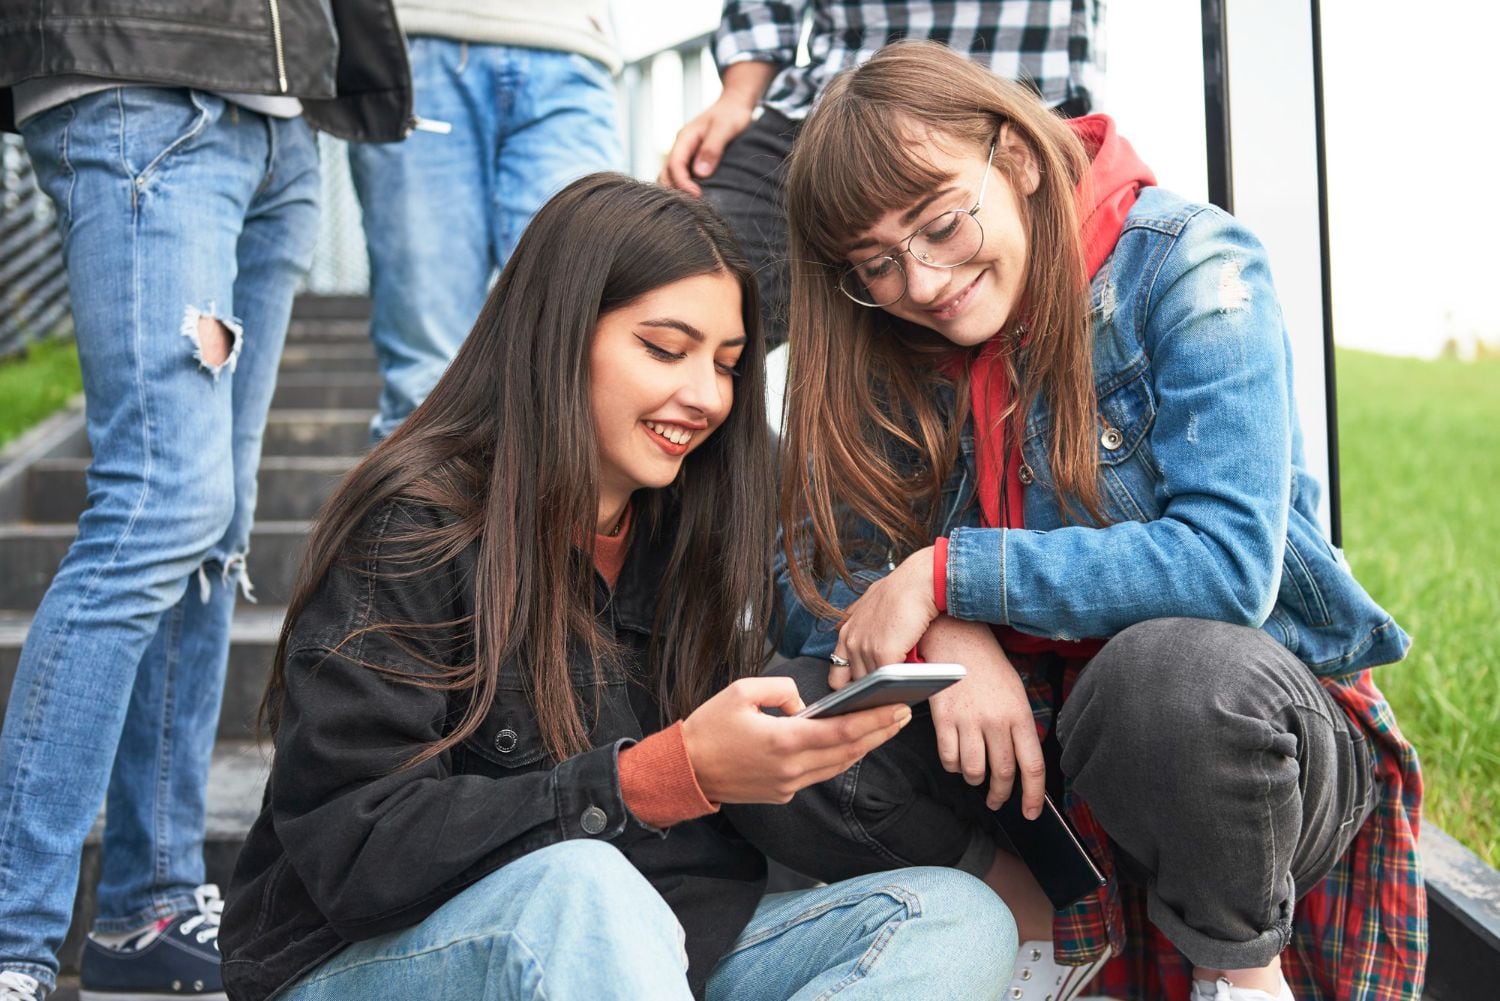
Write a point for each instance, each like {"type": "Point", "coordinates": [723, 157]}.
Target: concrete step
{"type": "Point", "coordinates": [341, 355]}
{"type": "Point", "coordinates": [332, 390]}
{"type": "Point", "coordinates": [328, 331]}
{"type": "Point", "coordinates": [236, 780]}
{"type": "Point", "coordinates": [30, 555]}
{"type": "Point", "coordinates": [317, 432]}
{"type": "Point", "coordinates": [291, 488]}
{"type": "Point", "coordinates": [252, 646]}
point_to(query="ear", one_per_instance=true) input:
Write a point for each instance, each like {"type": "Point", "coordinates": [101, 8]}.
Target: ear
{"type": "Point", "coordinates": [1028, 176]}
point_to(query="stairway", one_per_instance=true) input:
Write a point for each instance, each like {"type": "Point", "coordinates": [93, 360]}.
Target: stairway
{"type": "Point", "coordinates": [318, 426]}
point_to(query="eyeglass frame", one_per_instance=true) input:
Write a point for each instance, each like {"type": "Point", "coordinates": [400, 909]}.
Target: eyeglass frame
{"type": "Point", "coordinates": [906, 252]}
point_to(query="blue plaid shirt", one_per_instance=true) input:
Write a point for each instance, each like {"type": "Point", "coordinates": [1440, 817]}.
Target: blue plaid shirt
{"type": "Point", "coordinates": [1051, 45]}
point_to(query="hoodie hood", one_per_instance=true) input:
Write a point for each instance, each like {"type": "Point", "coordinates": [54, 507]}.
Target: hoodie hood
{"type": "Point", "coordinates": [1116, 176]}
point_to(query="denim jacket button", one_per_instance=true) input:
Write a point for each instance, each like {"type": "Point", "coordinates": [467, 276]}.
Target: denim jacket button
{"type": "Point", "coordinates": [593, 820]}
{"type": "Point", "coordinates": [1111, 438]}
{"type": "Point", "coordinates": [1026, 474]}
{"type": "Point", "coordinates": [506, 740]}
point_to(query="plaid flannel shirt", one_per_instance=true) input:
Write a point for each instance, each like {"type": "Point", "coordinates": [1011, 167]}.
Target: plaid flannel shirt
{"type": "Point", "coordinates": [1051, 45]}
{"type": "Point", "coordinates": [1360, 935]}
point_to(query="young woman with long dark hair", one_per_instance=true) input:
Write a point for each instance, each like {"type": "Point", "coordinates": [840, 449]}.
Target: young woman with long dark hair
{"type": "Point", "coordinates": [1041, 423]}
{"type": "Point", "coordinates": [479, 789]}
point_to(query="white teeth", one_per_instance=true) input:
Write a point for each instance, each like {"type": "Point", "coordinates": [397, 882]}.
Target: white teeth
{"type": "Point", "coordinates": [676, 435]}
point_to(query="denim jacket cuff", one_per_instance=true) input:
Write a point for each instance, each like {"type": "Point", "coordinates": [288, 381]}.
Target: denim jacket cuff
{"type": "Point", "coordinates": [976, 575]}
{"type": "Point", "coordinates": [590, 803]}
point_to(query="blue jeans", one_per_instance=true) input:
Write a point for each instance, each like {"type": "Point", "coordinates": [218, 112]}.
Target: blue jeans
{"type": "Point", "coordinates": [577, 921]}
{"type": "Point", "coordinates": [175, 207]}
{"type": "Point", "coordinates": [443, 212]}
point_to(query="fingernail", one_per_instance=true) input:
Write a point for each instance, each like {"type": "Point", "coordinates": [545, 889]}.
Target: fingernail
{"type": "Point", "coordinates": [903, 716]}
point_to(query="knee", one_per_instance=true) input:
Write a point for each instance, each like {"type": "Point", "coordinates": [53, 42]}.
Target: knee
{"type": "Point", "coordinates": [961, 916]}
{"type": "Point", "coordinates": [585, 876]}
{"type": "Point", "coordinates": [1158, 676]}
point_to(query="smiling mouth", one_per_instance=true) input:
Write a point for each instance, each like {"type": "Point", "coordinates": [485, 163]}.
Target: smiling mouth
{"type": "Point", "coordinates": [951, 308]}
{"type": "Point", "coordinates": [671, 432]}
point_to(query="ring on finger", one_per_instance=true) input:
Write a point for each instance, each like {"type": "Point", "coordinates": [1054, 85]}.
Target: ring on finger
{"type": "Point", "coordinates": [837, 661]}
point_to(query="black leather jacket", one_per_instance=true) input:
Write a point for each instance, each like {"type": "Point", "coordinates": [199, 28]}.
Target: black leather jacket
{"type": "Point", "coordinates": [328, 860]}
{"type": "Point", "coordinates": [346, 59]}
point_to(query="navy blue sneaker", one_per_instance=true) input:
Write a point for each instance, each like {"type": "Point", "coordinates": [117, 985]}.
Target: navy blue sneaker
{"type": "Point", "coordinates": [175, 958]}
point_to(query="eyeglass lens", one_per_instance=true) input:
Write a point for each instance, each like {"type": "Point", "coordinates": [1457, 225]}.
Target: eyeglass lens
{"type": "Point", "coordinates": [947, 241]}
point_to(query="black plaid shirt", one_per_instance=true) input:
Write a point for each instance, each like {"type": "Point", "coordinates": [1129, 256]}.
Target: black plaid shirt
{"type": "Point", "coordinates": [1051, 45]}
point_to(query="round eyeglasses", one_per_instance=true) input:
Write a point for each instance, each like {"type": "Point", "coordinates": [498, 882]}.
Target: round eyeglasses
{"type": "Point", "coordinates": [947, 241]}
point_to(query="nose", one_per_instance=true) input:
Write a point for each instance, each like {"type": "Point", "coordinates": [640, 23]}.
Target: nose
{"type": "Point", "coordinates": [924, 282]}
{"type": "Point", "coordinates": [706, 390]}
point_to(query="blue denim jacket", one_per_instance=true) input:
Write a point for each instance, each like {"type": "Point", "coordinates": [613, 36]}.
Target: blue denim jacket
{"type": "Point", "coordinates": [1212, 510]}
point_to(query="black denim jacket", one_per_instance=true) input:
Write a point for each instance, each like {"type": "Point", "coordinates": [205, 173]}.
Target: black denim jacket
{"type": "Point", "coordinates": [346, 59]}
{"type": "Point", "coordinates": [330, 859]}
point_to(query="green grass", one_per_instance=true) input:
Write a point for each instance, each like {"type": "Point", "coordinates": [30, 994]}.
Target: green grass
{"type": "Point", "coordinates": [36, 384]}
{"type": "Point", "coordinates": [1420, 465]}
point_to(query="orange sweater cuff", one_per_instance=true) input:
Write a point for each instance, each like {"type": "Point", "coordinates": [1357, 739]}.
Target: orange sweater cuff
{"type": "Point", "coordinates": [658, 783]}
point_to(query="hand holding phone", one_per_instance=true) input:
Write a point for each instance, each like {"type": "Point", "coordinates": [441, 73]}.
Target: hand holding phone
{"type": "Point", "coordinates": [742, 754]}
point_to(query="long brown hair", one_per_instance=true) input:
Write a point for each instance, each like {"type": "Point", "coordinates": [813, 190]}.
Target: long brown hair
{"type": "Point", "coordinates": [504, 448]}
{"type": "Point", "coordinates": [861, 382]}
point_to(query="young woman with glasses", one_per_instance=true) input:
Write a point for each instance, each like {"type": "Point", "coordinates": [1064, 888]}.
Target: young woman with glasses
{"type": "Point", "coordinates": [1041, 423]}
{"type": "Point", "coordinates": [505, 703]}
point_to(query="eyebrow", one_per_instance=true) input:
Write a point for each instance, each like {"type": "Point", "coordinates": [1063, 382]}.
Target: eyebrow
{"type": "Point", "coordinates": [687, 328]}
{"type": "Point", "coordinates": [907, 218]}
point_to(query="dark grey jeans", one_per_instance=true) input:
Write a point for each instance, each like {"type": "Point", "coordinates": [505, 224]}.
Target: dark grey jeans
{"type": "Point", "coordinates": [746, 191]}
{"type": "Point", "coordinates": [1225, 776]}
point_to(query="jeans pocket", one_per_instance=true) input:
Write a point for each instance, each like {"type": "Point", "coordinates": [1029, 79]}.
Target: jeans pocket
{"type": "Point", "coordinates": [46, 136]}
{"type": "Point", "coordinates": [159, 123]}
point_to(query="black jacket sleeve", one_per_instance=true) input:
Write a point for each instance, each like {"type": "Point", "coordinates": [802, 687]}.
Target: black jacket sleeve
{"type": "Point", "coordinates": [380, 846]}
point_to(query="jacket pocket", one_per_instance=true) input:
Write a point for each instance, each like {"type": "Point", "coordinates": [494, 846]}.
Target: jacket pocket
{"type": "Point", "coordinates": [1126, 469]}
{"type": "Point", "coordinates": [510, 735]}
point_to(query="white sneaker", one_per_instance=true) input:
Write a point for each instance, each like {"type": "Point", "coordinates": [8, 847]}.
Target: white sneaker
{"type": "Point", "coordinates": [19, 987]}
{"type": "Point", "coordinates": [1040, 977]}
{"type": "Point", "coordinates": [1223, 990]}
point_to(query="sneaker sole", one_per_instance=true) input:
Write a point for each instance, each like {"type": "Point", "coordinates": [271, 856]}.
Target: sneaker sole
{"type": "Point", "coordinates": [88, 995]}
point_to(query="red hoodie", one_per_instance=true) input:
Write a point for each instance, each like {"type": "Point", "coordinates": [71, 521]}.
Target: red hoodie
{"type": "Point", "coordinates": [1116, 176]}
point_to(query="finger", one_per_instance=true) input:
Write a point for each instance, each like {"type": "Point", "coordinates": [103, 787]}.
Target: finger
{"type": "Point", "coordinates": [972, 754]}
{"type": "Point", "coordinates": [1033, 769]}
{"type": "Point", "coordinates": [1002, 769]}
{"type": "Point", "coordinates": [947, 742]}
{"type": "Point", "coordinates": [838, 676]}
{"type": "Point", "coordinates": [773, 691]}
{"type": "Point", "coordinates": [823, 765]}
{"type": "Point", "coordinates": [710, 150]}
{"type": "Point", "coordinates": [675, 169]}
{"type": "Point", "coordinates": [839, 732]}
{"type": "Point", "coordinates": [838, 665]}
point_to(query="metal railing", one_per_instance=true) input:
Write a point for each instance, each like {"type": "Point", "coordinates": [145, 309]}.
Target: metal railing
{"type": "Point", "coordinates": [33, 281]}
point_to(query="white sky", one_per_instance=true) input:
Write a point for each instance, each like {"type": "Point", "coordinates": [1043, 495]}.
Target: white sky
{"type": "Point", "coordinates": [1407, 107]}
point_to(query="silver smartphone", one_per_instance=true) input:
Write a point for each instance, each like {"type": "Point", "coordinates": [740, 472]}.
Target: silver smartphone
{"type": "Point", "coordinates": [908, 683]}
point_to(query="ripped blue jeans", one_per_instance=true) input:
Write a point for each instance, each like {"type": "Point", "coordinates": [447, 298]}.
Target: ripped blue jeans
{"type": "Point", "coordinates": [187, 222]}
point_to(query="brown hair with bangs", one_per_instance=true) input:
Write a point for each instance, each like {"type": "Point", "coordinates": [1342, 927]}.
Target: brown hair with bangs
{"type": "Point", "coordinates": [862, 383]}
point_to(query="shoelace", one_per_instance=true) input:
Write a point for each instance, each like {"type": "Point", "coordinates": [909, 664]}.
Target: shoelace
{"type": "Point", "coordinates": [206, 921]}
{"type": "Point", "coordinates": [18, 987]}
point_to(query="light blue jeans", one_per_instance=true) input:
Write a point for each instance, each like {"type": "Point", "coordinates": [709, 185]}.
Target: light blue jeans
{"type": "Point", "coordinates": [442, 213]}
{"type": "Point", "coordinates": [577, 922]}
{"type": "Point", "coordinates": [174, 206]}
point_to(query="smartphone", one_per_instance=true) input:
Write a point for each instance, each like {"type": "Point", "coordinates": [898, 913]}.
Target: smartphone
{"type": "Point", "coordinates": [1051, 849]}
{"type": "Point", "coordinates": [908, 683]}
